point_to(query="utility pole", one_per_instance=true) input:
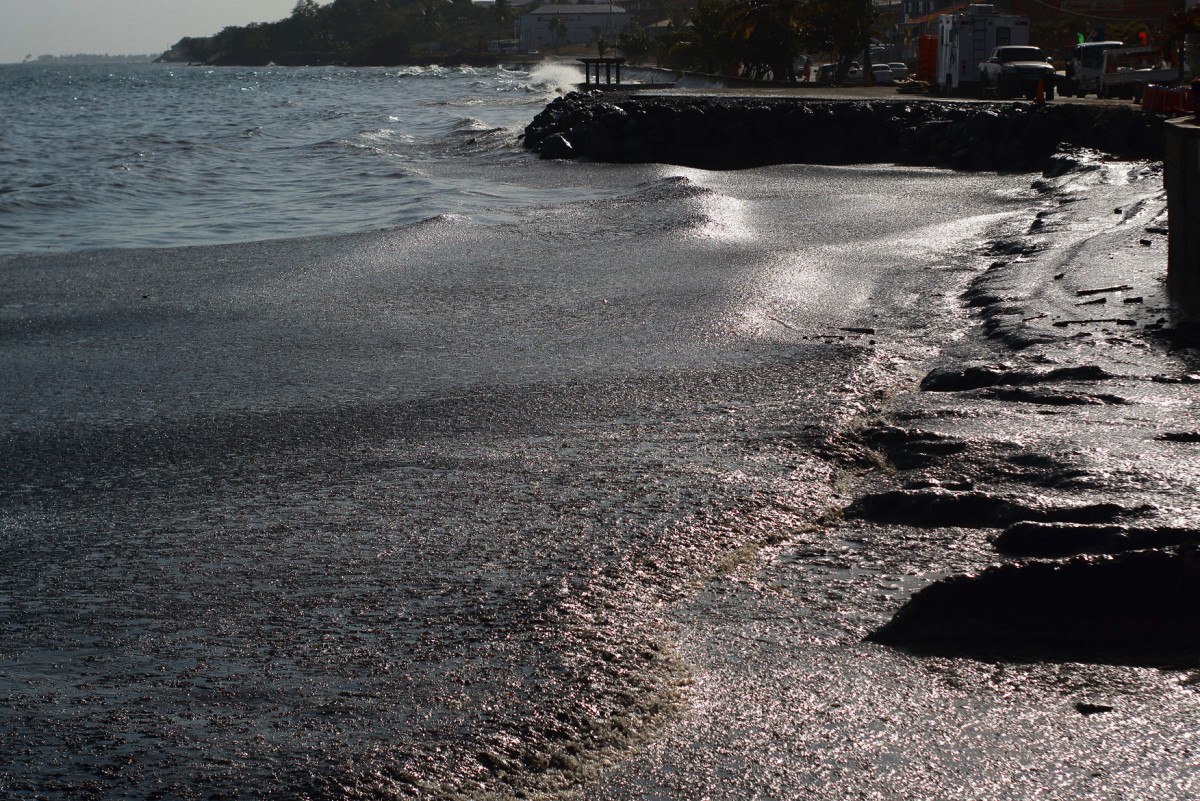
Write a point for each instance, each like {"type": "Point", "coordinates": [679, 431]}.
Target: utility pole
{"type": "Point", "coordinates": [868, 15]}
{"type": "Point", "coordinates": [1182, 53]}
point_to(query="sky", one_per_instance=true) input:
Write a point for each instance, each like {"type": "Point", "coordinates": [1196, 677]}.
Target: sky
{"type": "Point", "coordinates": [120, 27]}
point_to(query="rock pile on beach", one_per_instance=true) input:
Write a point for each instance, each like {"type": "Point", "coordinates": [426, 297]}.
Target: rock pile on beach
{"type": "Point", "coordinates": [1108, 580]}
{"type": "Point", "coordinates": [1140, 607]}
{"type": "Point", "coordinates": [715, 132]}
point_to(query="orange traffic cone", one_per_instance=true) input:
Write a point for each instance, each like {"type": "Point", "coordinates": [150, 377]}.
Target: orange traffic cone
{"type": "Point", "coordinates": [1041, 92]}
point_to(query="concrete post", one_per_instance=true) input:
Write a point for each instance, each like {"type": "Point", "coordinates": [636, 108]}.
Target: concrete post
{"type": "Point", "coordinates": [1181, 176]}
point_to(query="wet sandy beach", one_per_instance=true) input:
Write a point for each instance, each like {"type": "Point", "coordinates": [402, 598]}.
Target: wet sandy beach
{"type": "Point", "coordinates": [790, 701]}
{"type": "Point", "coordinates": [557, 506]}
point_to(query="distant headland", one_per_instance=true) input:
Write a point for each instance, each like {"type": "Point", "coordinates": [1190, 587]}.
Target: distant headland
{"type": "Point", "coordinates": [92, 58]}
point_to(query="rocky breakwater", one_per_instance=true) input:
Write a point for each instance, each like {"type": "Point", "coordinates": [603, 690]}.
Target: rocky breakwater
{"type": "Point", "coordinates": [727, 132]}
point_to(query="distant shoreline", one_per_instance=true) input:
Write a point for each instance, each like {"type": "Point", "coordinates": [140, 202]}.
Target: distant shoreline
{"type": "Point", "coordinates": [92, 58]}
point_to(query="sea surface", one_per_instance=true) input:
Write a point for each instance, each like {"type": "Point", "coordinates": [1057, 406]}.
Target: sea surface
{"type": "Point", "coordinates": [115, 155]}
{"type": "Point", "coordinates": [350, 451]}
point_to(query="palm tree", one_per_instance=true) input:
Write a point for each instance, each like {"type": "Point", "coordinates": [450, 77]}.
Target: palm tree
{"type": "Point", "coordinates": [839, 27]}
{"type": "Point", "coordinates": [766, 36]}
{"type": "Point", "coordinates": [557, 28]}
{"type": "Point", "coordinates": [431, 14]}
{"type": "Point", "coordinates": [503, 10]}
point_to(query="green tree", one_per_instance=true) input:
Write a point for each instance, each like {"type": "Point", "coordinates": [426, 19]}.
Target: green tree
{"type": "Point", "coordinates": [633, 43]}
{"type": "Point", "coordinates": [249, 45]}
{"type": "Point", "coordinates": [306, 9]}
{"type": "Point", "coordinates": [841, 27]}
{"type": "Point", "coordinates": [344, 31]}
{"type": "Point", "coordinates": [432, 19]}
{"type": "Point", "coordinates": [704, 44]}
{"type": "Point", "coordinates": [765, 36]}
{"type": "Point", "coordinates": [1179, 39]}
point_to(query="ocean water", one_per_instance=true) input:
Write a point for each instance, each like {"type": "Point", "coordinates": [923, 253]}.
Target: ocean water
{"type": "Point", "coordinates": [109, 155]}
{"type": "Point", "coordinates": [349, 451]}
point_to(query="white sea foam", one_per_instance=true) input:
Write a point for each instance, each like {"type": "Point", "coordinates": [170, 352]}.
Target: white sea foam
{"type": "Point", "coordinates": [558, 77]}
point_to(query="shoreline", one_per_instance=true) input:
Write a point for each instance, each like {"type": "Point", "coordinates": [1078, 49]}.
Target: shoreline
{"type": "Point", "coordinates": [1082, 335]}
{"type": "Point", "coordinates": [1018, 684]}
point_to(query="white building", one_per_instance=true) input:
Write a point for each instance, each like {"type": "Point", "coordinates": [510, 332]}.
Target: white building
{"type": "Point", "coordinates": [552, 26]}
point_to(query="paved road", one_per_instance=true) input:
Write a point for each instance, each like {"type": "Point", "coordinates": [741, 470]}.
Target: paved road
{"type": "Point", "coordinates": [863, 93]}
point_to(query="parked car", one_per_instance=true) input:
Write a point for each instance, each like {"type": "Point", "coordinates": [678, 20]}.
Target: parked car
{"type": "Point", "coordinates": [1016, 70]}
{"type": "Point", "coordinates": [882, 74]}
{"type": "Point", "coordinates": [899, 70]}
{"type": "Point", "coordinates": [825, 74]}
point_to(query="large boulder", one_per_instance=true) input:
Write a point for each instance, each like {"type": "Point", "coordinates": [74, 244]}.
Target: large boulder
{"type": "Point", "coordinates": [1139, 608]}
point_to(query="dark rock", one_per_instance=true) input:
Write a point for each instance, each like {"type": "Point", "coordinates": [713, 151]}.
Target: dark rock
{"type": "Point", "coordinates": [1083, 372]}
{"type": "Point", "coordinates": [977, 299]}
{"type": "Point", "coordinates": [951, 379]}
{"type": "Point", "coordinates": [1086, 709]}
{"type": "Point", "coordinates": [1070, 539]}
{"type": "Point", "coordinates": [937, 507]}
{"type": "Point", "coordinates": [928, 483]}
{"type": "Point", "coordinates": [1050, 398]}
{"type": "Point", "coordinates": [557, 147]}
{"type": "Point", "coordinates": [1139, 608]}
{"type": "Point", "coordinates": [1179, 436]}
{"type": "Point", "coordinates": [1041, 470]}
{"type": "Point", "coordinates": [910, 448]}
{"type": "Point", "coordinates": [1060, 164]}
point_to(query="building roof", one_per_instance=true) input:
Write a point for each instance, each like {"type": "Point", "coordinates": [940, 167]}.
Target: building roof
{"type": "Point", "coordinates": [935, 14]}
{"type": "Point", "coordinates": [580, 8]}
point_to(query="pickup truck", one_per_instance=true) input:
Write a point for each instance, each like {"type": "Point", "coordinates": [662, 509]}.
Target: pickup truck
{"type": "Point", "coordinates": [1129, 70]}
{"type": "Point", "coordinates": [1086, 67]}
{"type": "Point", "coordinates": [1108, 69]}
{"type": "Point", "coordinates": [1016, 70]}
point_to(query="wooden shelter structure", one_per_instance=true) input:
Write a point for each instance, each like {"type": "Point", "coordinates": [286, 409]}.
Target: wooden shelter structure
{"type": "Point", "coordinates": [592, 66]}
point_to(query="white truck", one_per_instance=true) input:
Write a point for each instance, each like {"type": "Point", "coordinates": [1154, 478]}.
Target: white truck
{"type": "Point", "coordinates": [1015, 70]}
{"type": "Point", "coordinates": [967, 38]}
{"type": "Point", "coordinates": [1086, 67]}
{"type": "Point", "coordinates": [1109, 69]}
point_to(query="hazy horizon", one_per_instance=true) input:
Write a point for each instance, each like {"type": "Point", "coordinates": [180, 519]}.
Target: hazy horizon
{"type": "Point", "coordinates": [120, 27]}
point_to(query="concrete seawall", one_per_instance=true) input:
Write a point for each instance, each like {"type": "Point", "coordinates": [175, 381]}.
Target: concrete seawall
{"type": "Point", "coordinates": [731, 132]}
{"type": "Point", "coordinates": [1181, 174]}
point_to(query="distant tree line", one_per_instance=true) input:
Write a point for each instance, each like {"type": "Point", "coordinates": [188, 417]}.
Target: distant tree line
{"type": "Point", "coordinates": [354, 32]}
{"type": "Point", "coordinates": [763, 38]}
{"type": "Point", "coordinates": [757, 38]}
